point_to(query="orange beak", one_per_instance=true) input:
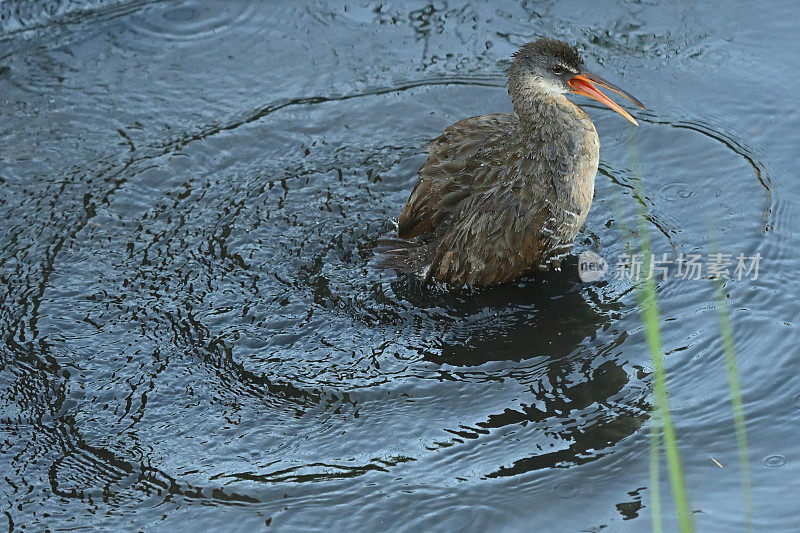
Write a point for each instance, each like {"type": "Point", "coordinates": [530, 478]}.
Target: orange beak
{"type": "Point", "coordinates": [582, 84]}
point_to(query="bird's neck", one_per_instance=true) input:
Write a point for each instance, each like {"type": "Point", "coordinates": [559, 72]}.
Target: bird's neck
{"type": "Point", "coordinates": [541, 111]}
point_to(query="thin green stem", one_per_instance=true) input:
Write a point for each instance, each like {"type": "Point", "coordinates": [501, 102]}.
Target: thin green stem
{"type": "Point", "coordinates": [655, 476]}
{"type": "Point", "coordinates": [646, 293]}
{"type": "Point", "coordinates": [736, 403]}
{"type": "Point", "coordinates": [650, 316]}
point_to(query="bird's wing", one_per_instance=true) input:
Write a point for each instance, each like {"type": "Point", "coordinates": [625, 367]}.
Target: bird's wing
{"type": "Point", "coordinates": [458, 162]}
{"type": "Point", "coordinates": [487, 240]}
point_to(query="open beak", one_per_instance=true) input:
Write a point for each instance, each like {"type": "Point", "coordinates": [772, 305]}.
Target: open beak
{"type": "Point", "coordinates": [582, 84]}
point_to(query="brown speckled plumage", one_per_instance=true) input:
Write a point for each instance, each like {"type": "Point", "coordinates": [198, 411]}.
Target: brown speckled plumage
{"type": "Point", "coordinates": [501, 195]}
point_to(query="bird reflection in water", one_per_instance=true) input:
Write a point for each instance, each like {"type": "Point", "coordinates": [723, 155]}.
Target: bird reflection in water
{"type": "Point", "coordinates": [582, 398]}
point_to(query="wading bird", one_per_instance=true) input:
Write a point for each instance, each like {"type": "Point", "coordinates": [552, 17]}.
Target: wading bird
{"type": "Point", "coordinates": [502, 195]}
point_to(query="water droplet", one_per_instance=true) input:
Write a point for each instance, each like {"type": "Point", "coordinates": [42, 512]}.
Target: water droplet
{"type": "Point", "coordinates": [774, 461]}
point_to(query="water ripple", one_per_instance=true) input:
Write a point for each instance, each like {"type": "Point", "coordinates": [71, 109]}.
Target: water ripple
{"type": "Point", "coordinates": [187, 21]}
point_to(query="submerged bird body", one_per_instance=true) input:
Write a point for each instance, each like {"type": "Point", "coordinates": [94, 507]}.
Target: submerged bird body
{"type": "Point", "coordinates": [502, 195]}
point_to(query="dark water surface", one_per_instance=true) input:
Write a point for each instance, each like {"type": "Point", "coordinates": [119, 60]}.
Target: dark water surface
{"type": "Point", "coordinates": [190, 193]}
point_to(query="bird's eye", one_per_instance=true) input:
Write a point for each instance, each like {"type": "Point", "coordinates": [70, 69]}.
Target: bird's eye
{"type": "Point", "coordinates": [557, 69]}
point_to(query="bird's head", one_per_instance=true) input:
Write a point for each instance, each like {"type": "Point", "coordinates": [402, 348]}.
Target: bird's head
{"type": "Point", "coordinates": [555, 67]}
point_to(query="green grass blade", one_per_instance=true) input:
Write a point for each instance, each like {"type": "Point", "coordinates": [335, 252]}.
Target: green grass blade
{"type": "Point", "coordinates": [646, 293]}
{"type": "Point", "coordinates": [736, 403]}
{"type": "Point", "coordinates": [655, 476]}
{"type": "Point", "coordinates": [650, 317]}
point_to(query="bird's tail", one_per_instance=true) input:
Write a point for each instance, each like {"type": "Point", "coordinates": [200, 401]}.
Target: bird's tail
{"type": "Point", "coordinates": [399, 254]}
